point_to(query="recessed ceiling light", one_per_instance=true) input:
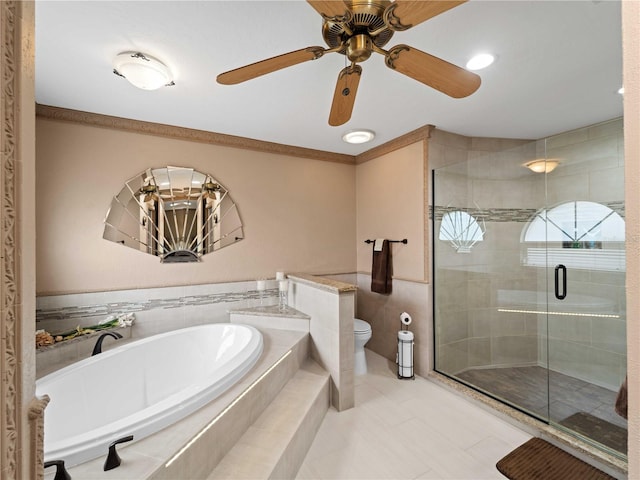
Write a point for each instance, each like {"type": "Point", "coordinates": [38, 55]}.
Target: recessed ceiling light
{"type": "Point", "coordinates": [480, 61]}
{"type": "Point", "coordinates": [142, 71]}
{"type": "Point", "coordinates": [358, 136]}
{"type": "Point", "coordinates": [621, 90]}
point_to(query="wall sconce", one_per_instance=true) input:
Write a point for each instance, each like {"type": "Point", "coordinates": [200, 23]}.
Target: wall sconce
{"type": "Point", "coordinates": [542, 166]}
{"type": "Point", "coordinates": [142, 71]}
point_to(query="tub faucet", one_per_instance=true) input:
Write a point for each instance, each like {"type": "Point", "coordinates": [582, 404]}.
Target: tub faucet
{"type": "Point", "coordinates": [61, 472]}
{"type": "Point", "coordinates": [98, 348]}
{"type": "Point", "coordinates": [113, 459]}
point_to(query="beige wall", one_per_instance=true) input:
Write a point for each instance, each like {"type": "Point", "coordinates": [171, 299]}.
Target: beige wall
{"type": "Point", "coordinates": [390, 204]}
{"type": "Point", "coordinates": [390, 199]}
{"type": "Point", "coordinates": [299, 214]}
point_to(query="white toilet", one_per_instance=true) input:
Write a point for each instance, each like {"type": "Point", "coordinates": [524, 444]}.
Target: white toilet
{"type": "Point", "coordinates": [361, 334]}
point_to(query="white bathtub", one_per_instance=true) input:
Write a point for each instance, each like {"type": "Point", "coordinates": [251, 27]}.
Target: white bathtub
{"type": "Point", "coordinates": [141, 387]}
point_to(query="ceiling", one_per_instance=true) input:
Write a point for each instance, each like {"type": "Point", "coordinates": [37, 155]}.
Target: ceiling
{"type": "Point", "coordinates": [558, 67]}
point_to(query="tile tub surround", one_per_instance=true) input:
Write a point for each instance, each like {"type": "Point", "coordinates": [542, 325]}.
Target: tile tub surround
{"type": "Point", "coordinates": [331, 305]}
{"type": "Point", "coordinates": [157, 310]}
{"type": "Point", "coordinates": [148, 458]}
{"type": "Point", "coordinates": [328, 303]}
{"type": "Point", "coordinates": [271, 317]}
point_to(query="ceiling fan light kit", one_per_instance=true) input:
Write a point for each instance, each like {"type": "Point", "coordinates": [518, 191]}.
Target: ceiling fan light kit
{"type": "Point", "coordinates": [358, 28]}
{"type": "Point", "coordinates": [142, 70]}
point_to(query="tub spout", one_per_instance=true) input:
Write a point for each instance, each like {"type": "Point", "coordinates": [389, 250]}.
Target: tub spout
{"type": "Point", "coordinates": [61, 472]}
{"type": "Point", "coordinates": [98, 347]}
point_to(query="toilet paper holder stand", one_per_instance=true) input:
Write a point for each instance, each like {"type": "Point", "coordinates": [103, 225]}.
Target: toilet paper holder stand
{"type": "Point", "coordinates": [404, 357]}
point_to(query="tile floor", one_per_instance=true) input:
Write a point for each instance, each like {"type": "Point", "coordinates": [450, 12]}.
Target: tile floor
{"type": "Point", "coordinates": [408, 429]}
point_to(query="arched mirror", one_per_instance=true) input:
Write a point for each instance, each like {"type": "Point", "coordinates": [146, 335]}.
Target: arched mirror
{"type": "Point", "coordinates": [175, 213]}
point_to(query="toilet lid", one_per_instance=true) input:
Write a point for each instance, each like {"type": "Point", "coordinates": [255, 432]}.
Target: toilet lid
{"type": "Point", "coordinates": [360, 325]}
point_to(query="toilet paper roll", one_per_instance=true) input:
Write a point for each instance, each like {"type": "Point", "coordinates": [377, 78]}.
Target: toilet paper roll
{"type": "Point", "coordinates": [405, 318]}
{"type": "Point", "coordinates": [405, 353]}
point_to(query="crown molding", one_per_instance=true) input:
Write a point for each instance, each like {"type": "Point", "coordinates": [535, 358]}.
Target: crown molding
{"type": "Point", "coordinates": [417, 135]}
{"type": "Point", "coordinates": [189, 134]}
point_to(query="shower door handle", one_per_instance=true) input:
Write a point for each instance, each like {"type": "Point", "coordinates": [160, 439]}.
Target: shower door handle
{"type": "Point", "coordinates": [563, 269]}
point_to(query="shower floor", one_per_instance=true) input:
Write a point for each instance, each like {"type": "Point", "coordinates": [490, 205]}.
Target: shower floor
{"type": "Point", "coordinates": [578, 405]}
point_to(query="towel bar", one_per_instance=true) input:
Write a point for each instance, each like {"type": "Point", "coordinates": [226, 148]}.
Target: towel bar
{"type": "Point", "coordinates": [404, 240]}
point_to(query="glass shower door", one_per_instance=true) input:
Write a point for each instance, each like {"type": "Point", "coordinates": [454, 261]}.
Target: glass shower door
{"type": "Point", "coordinates": [490, 304]}
{"type": "Point", "coordinates": [529, 279]}
{"type": "Point", "coordinates": [586, 288]}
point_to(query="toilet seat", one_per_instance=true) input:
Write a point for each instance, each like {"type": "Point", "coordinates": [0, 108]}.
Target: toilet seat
{"type": "Point", "coordinates": [360, 326]}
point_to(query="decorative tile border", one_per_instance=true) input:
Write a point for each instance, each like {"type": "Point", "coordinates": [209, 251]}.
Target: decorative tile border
{"type": "Point", "coordinates": [115, 308]}
{"type": "Point", "coordinates": [522, 215]}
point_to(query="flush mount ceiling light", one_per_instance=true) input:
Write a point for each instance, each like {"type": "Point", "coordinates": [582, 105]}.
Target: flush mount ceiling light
{"type": "Point", "coordinates": [142, 71]}
{"type": "Point", "coordinates": [621, 90]}
{"type": "Point", "coordinates": [358, 136]}
{"type": "Point", "coordinates": [480, 61]}
{"type": "Point", "coordinates": [542, 166]}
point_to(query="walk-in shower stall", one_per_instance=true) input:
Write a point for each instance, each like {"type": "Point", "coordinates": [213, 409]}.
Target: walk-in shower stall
{"type": "Point", "coordinates": [529, 277]}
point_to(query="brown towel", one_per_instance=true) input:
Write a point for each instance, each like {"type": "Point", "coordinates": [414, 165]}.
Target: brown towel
{"type": "Point", "coordinates": [621, 400]}
{"type": "Point", "coordinates": [381, 269]}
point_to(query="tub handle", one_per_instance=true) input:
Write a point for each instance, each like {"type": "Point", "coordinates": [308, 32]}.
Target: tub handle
{"type": "Point", "coordinates": [113, 459]}
{"type": "Point", "coordinates": [61, 472]}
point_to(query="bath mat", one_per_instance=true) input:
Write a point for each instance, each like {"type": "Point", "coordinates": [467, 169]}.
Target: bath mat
{"type": "Point", "coordinates": [537, 459]}
{"type": "Point", "coordinates": [606, 433]}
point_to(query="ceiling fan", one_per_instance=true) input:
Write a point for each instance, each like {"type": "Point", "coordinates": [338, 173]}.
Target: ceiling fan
{"type": "Point", "coordinates": [358, 28]}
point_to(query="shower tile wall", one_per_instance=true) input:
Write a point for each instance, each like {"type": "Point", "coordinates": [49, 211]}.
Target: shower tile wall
{"type": "Point", "coordinates": [494, 186]}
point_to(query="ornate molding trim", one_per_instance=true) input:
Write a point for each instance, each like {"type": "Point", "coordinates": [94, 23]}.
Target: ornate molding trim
{"type": "Point", "coordinates": [192, 135]}
{"type": "Point", "coordinates": [36, 431]}
{"type": "Point", "coordinates": [10, 400]}
{"type": "Point", "coordinates": [422, 133]}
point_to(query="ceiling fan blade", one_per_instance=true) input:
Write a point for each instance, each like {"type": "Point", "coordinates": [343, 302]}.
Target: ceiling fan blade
{"type": "Point", "coordinates": [345, 95]}
{"type": "Point", "coordinates": [432, 71]}
{"type": "Point", "coordinates": [270, 65]}
{"type": "Point", "coordinates": [404, 14]}
{"type": "Point", "coordinates": [333, 10]}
